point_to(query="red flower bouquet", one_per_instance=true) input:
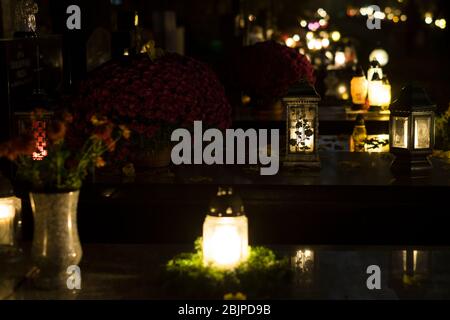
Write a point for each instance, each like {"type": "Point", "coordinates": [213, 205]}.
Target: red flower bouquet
{"type": "Point", "coordinates": [267, 70]}
{"type": "Point", "coordinates": [70, 153]}
{"type": "Point", "coordinates": [152, 97]}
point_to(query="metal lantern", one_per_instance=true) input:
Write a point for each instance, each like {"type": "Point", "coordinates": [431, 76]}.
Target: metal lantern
{"type": "Point", "coordinates": [25, 123]}
{"type": "Point", "coordinates": [412, 131]}
{"type": "Point", "coordinates": [225, 231]}
{"type": "Point", "coordinates": [10, 217]}
{"type": "Point", "coordinates": [302, 125]}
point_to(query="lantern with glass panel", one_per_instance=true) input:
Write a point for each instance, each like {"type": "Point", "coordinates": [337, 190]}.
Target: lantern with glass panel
{"type": "Point", "coordinates": [225, 231]}
{"type": "Point", "coordinates": [412, 131]}
{"type": "Point", "coordinates": [302, 125]}
{"type": "Point", "coordinates": [10, 219]}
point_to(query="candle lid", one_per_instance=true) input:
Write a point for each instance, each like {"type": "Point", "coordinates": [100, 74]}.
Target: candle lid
{"type": "Point", "coordinates": [226, 203]}
{"type": "Point", "coordinates": [6, 189]}
{"type": "Point", "coordinates": [375, 64]}
{"type": "Point", "coordinates": [413, 98]}
{"type": "Point", "coordinates": [302, 89]}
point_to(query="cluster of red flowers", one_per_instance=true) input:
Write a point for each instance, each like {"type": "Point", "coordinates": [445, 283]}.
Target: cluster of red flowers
{"type": "Point", "coordinates": [267, 70]}
{"type": "Point", "coordinates": [148, 96]}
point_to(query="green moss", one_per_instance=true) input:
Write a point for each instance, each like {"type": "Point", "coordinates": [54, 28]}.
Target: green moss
{"type": "Point", "coordinates": [263, 275]}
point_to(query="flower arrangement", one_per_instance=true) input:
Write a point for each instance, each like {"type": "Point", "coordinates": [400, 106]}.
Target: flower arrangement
{"type": "Point", "coordinates": [268, 69]}
{"type": "Point", "coordinates": [70, 153]}
{"type": "Point", "coordinates": [154, 96]}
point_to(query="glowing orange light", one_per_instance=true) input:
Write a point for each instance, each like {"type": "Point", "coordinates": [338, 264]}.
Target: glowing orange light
{"type": "Point", "coordinates": [40, 136]}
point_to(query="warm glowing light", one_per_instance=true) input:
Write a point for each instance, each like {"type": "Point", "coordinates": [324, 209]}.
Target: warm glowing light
{"type": "Point", "coordinates": [396, 19]}
{"type": "Point", "coordinates": [303, 23]}
{"type": "Point", "coordinates": [385, 94]}
{"type": "Point", "coordinates": [322, 22]}
{"type": "Point", "coordinates": [388, 10]}
{"type": "Point", "coordinates": [6, 209]}
{"type": "Point", "coordinates": [309, 35]}
{"type": "Point", "coordinates": [296, 38]}
{"type": "Point", "coordinates": [376, 92]}
{"type": "Point", "coordinates": [225, 241]}
{"type": "Point", "coordinates": [325, 43]}
{"type": "Point", "coordinates": [7, 213]}
{"type": "Point", "coordinates": [422, 127]}
{"type": "Point", "coordinates": [136, 19]}
{"type": "Point", "coordinates": [335, 36]}
{"type": "Point", "coordinates": [342, 89]}
{"type": "Point", "coordinates": [400, 132]}
{"type": "Point", "coordinates": [322, 12]}
{"type": "Point", "coordinates": [441, 23]}
{"type": "Point", "coordinates": [339, 59]}
{"type": "Point", "coordinates": [40, 136]}
{"type": "Point", "coordinates": [428, 18]}
{"type": "Point", "coordinates": [251, 17]}
{"type": "Point", "coordinates": [301, 130]}
{"type": "Point", "coordinates": [126, 52]}
{"type": "Point", "coordinates": [403, 17]}
{"type": "Point", "coordinates": [379, 15]}
{"type": "Point", "coordinates": [405, 261]}
{"type": "Point", "coordinates": [290, 42]}
{"type": "Point", "coordinates": [390, 16]}
{"type": "Point", "coordinates": [317, 44]}
{"type": "Point", "coordinates": [358, 87]}
{"type": "Point", "coordinates": [382, 147]}
{"type": "Point", "coordinates": [380, 55]}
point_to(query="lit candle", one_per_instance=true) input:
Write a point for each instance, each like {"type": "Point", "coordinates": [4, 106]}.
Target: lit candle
{"type": "Point", "coordinates": [376, 91]}
{"type": "Point", "coordinates": [359, 87]}
{"type": "Point", "coordinates": [225, 231]}
{"type": "Point", "coordinates": [339, 59]}
{"type": "Point", "coordinates": [7, 213]}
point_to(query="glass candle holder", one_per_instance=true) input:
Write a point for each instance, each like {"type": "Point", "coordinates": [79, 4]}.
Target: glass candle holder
{"type": "Point", "coordinates": [10, 223]}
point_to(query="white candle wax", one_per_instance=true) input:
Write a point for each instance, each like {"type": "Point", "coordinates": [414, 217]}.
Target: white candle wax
{"type": "Point", "coordinates": [7, 213]}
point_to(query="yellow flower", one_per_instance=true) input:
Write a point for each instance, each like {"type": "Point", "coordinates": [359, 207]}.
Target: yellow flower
{"type": "Point", "coordinates": [99, 162]}
{"type": "Point", "coordinates": [98, 122]}
{"type": "Point", "coordinates": [237, 296]}
{"type": "Point", "coordinates": [126, 133]}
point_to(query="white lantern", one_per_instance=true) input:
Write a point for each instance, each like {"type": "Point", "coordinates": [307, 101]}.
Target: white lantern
{"type": "Point", "coordinates": [374, 68]}
{"type": "Point", "coordinates": [10, 221]}
{"type": "Point", "coordinates": [225, 231]}
{"type": "Point", "coordinates": [302, 126]}
{"type": "Point", "coordinates": [376, 92]}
